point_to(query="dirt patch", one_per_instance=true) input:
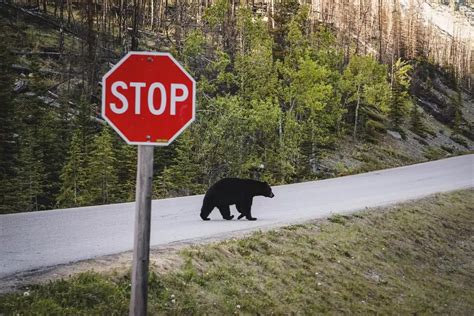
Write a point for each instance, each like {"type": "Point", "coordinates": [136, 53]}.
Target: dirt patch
{"type": "Point", "coordinates": [161, 259]}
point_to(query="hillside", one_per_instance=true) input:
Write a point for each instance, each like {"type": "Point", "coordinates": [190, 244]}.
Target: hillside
{"type": "Point", "coordinates": [276, 100]}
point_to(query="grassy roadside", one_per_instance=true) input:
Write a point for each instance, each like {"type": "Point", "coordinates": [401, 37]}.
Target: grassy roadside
{"type": "Point", "coordinates": [416, 257]}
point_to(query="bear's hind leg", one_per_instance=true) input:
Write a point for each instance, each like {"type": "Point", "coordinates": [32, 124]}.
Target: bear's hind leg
{"type": "Point", "coordinates": [225, 212]}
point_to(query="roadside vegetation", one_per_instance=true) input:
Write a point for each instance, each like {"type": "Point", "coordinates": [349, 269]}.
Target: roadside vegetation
{"type": "Point", "coordinates": [413, 258]}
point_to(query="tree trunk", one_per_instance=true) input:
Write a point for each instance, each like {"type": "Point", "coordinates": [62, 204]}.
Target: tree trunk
{"type": "Point", "coordinates": [354, 135]}
{"type": "Point", "coordinates": [152, 13]}
{"type": "Point", "coordinates": [120, 16]}
{"type": "Point", "coordinates": [69, 11]}
{"type": "Point", "coordinates": [136, 24]}
{"type": "Point", "coordinates": [380, 30]}
{"type": "Point", "coordinates": [61, 11]}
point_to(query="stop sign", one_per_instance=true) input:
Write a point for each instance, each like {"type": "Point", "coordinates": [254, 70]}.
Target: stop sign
{"type": "Point", "coordinates": [148, 98]}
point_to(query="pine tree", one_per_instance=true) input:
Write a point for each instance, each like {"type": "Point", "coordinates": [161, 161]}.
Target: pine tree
{"type": "Point", "coordinates": [399, 99]}
{"type": "Point", "coordinates": [308, 91]}
{"type": "Point", "coordinates": [316, 105]}
{"type": "Point", "coordinates": [285, 12]}
{"type": "Point", "coordinates": [86, 125]}
{"type": "Point", "coordinates": [289, 148]}
{"type": "Point", "coordinates": [73, 190]}
{"type": "Point", "coordinates": [126, 167]}
{"type": "Point", "coordinates": [457, 104]}
{"type": "Point", "coordinates": [182, 177]}
{"type": "Point", "coordinates": [101, 178]}
{"type": "Point", "coordinates": [220, 17]}
{"type": "Point", "coordinates": [73, 175]}
{"type": "Point", "coordinates": [52, 141]}
{"type": "Point", "coordinates": [416, 122]}
{"type": "Point", "coordinates": [40, 125]}
{"type": "Point", "coordinates": [255, 73]}
{"type": "Point", "coordinates": [8, 140]}
{"type": "Point", "coordinates": [365, 91]}
{"type": "Point", "coordinates": [193, 49]}
{"type": "Point", "coordinates": [31, 178]}
{"type": "Point", "coordinates": [221, 140]}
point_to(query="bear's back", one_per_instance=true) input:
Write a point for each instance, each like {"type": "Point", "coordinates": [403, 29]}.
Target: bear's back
{"type": "Point", "coordinates": [232, 188]}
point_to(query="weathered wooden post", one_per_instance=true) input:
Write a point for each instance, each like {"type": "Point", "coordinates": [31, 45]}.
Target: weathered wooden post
{"type": "Point", "coordinates": [141, 244]}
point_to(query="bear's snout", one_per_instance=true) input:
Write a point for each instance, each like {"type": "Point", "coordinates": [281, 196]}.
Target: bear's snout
{"type": "Point", "coordinates": [272, 195]}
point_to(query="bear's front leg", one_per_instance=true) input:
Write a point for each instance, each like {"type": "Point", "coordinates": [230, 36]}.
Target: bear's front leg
{"type": "Point", "coordinates": [225, 212]}
{"type": "Point", "coordinates": [245, 210]}
{"type": "Point", "coordinates": [250, 218]}
{"type": "Point", "coordinates": [205, 211]}
{"type": "Point", "coordinates": [241, 210]}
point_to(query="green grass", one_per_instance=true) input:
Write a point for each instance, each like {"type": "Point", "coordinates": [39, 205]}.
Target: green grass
{"type": "Point", "coordinates": [377, 157]}
{"type": "Point", "coordinates": [412, 258]}
{"type": "Point", "coordinates": [434, 153]}
{"type": "Point", "coordinates": [460, 140]}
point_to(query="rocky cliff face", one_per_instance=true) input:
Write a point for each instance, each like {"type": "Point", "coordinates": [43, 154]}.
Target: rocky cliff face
{"type": "Point", "coordinates": [437, 93]}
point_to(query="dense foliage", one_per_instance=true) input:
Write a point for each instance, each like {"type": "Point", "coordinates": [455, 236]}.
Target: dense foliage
{"type": "Point", "coordinates": [271, 101]}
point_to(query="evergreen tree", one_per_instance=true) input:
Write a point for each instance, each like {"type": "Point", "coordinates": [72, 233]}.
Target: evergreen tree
{"type": "Point", "coordinates": [101, 177]}
{"type": "Point", "coordinates": [73, 175]}
{"type": "Point", "coordinates": [84, 121]}
{"type": "Point", "coordinates": [31, 181]}
{"type": "Point", "coordinates": [457, 104]}
{"type": "Point", "coordinates": [225, 138]}
{"type": "Point", "coordinates": [308, 90]}
{"type": "Point", "coordinates": [73, 189]}
{"type": "Point", "coordinates": [192, 53]}
{"type": "Point", "coordinates": [289, 148]}
{"type": "Point", "coordinates": [40, 125]}
{"type": "Point", "coordinates": [325, 49]}
{"type": "Point", "coordinates": [264, 148]}
{"type": "Point", "coordinates": [220, 17]}
{"type": "Point", "coordinates": [8, 137]}
{"type": "Point", "coordinates": [315, 102]}
{"type": "Point", "coordinates": [285, 12]}
{"type": "Point", "coordinates": [126, 167]}
{"type": "Point", "coordinates": [400, 99]}
{"type": "Point", "coordinates": [416, 122]}
{"type": "Point", "coordinates": [181, 178]}
{"type": "Point", "coordinates": [365, 91]}
{"type": "Point", "coordinates": [255, 74]}
{"type": "Point", "coordinates": [53, 142]}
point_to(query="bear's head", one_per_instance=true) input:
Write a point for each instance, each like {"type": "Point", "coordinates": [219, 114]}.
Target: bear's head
{"type": "Point", "coordinates": [267, 190]}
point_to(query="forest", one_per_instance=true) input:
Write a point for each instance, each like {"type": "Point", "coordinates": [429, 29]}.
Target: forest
{"type": "Point", "coordinates": [279, 87]}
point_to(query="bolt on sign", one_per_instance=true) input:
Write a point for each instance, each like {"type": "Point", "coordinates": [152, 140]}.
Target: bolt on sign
{"type": "Point", "coordinates": [148, 98]}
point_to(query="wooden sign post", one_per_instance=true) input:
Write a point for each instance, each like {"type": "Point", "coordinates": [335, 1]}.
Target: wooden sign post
{"type": "Point", "coordinates": [149, 99]}
{"type": "Point", "coordinates": [141, 244]}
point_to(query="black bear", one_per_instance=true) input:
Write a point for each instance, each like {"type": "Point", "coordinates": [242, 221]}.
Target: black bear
{"type": "Point", "coordinates": [236, 191]}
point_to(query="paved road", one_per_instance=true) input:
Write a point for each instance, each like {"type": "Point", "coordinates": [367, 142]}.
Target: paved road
{"type": "Point", "coordinates": [31, 241]}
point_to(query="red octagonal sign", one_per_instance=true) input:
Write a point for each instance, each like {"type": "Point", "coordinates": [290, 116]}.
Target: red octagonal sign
{"type": "Point", "coordinates": [148, 98]}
